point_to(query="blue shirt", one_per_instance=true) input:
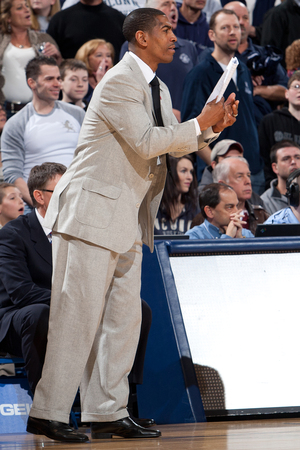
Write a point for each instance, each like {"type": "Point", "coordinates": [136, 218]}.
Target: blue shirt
{"type": "Point", "coordinates": [285, 215]}
{"type": "Point", "coordinates": [208, 231]}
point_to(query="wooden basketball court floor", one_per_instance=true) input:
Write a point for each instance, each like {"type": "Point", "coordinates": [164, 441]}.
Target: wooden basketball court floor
{"type": "Point", "coordinates": [274, 434]}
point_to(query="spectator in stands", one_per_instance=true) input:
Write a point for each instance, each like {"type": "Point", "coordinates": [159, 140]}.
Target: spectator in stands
{"type": "Point", "coordinates": [223, 149]}
{"type": "Point", "coordinates": [192, 24]}
{"type": "Point", "coordinates": [124, 6]}
{"type": "Point", "coordinates": [41, 12]}
{"type": "Point", "coordinates": [226, 34]}
{"type": "Point", "coordinates": [285, 159]}
{"type": "Point", "coordinates": [268, 76]}
{"type": "Point", "coordinates": [291, 214]}
{"type": "Point", "coordinates": [74, 82]}
{"type": "Point", "coordinates": [86, 20]}
{"type": "Point", "coordinates": [281, 25]}
{"type": "Point", "coordinates": [281, 124]}
{"type": "Point", "coordinates": [235, 172]}
{"type": "Point", "coordinates": [25, 276]}
{"type": "Point", "coordinates": [98, 56]}
{"type": "Point", "coordinates": [11, 203]}
{"type": "Point", "coordinates": [179, 202]}
{"type": "Point", "coordinates": [45, 129]}
{"type": "Point", "coordinates": [18, 45]}
{"type": "Point", "coordinates": [222, 219]}
{"type": "Point", "coordinates": [292, 57]}
{"type": "Point", "coordinates": [257, 10]}
{"type": "Point", "coordinates": [185, 57]}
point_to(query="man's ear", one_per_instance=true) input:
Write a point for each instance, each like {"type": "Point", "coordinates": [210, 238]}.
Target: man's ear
{"type": "Point", "coordinates": [208, 211]}
{"type": "Point", "coordinates": [274, 168]}
{"type": "Point", "coordinates": [211, 35]}
{"type": "Point", "coordinates": [141, 38]}
{"type": "Point", "coordinates": [38, 195]}
{"type": "Point", "coordinates": [213, 164]}
{"type": "Point", "coordinates": [31, 83]}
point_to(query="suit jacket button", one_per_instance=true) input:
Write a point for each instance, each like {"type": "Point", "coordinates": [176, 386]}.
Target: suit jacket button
{"type": "Point", "coordinates": [137, 205]}
{"type": "Point", "coordinates": [151, 175]}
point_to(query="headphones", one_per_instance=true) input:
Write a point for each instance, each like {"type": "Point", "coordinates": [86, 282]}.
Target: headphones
{"type": "Point", "coordinates": [293, 189]}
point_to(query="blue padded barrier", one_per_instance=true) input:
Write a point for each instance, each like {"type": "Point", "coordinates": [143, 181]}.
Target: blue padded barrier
{"type": "Point", "coordinates": [170, 392]}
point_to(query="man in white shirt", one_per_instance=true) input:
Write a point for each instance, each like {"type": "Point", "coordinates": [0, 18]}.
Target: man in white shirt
{"type": "Point", "coordinates": [44, 130]}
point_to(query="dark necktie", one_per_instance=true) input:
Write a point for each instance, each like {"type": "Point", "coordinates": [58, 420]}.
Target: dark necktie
{"type": "Point", "coordinates": [156, 101]}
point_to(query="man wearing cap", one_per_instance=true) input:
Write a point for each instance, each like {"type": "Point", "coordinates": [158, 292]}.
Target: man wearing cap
{"type": "Point", "coordinates": [223, 149]}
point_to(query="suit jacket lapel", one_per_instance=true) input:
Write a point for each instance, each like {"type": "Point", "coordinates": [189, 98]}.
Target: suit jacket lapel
{"type": "Point", "coordinates": [40, 240]}
{"type": "Point", "coordinates": [139, 77]}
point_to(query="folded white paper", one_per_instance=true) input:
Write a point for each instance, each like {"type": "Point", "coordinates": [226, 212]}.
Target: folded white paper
{"type": "Point", "coordinates": [223, 82]}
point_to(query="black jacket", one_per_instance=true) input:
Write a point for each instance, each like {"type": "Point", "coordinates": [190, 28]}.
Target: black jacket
{"type": "Point", "coordinates": [274, 127]}
{"type": "Point", "coordinates": [25, 267]}
{"type": "Point", "coordinates": [281, 25]}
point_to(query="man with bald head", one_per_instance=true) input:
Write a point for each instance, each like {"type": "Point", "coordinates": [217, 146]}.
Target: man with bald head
{"type": "Point", "coordinates": [269, 80]}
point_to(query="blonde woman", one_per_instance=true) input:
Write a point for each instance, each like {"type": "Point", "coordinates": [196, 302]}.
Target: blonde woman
{"type": "Point", "coordinates": [98, 56]}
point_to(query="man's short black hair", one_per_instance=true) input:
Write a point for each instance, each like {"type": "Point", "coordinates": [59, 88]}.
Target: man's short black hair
{"type": "Point", "coordinates": [142, 19]}
{"type": "Point", "coordinates": [279, 145]}
{"type": "Point", "coordinates": [33, 68]}
{"type": "Point", "coordinates": [210, 195]}
{"type": "Point", "coordinates": [40, 175]}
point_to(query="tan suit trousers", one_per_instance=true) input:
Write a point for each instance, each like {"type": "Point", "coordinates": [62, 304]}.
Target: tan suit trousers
{"type": "Point", "coordinates": [94, 329]}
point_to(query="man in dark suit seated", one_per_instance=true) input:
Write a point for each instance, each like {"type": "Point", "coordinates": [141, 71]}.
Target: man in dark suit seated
{"type": "Point", "coordinates": [25, 276]}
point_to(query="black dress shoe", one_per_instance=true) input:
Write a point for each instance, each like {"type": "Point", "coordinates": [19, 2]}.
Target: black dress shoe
{"type": "Point", "coordinates": [146, 423]}
{"type": "Point", "coordinates": [126, 428]}
{"type": "Point", "coordinates": [55, 430]}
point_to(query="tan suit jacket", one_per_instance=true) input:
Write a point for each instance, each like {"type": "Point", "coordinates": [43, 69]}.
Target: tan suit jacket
{"type": "Point", "coordinates": [116, 179]}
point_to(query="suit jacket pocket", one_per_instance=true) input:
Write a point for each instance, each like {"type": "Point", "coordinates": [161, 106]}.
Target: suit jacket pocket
{"type": "Point", "coordinates": [97, 203]}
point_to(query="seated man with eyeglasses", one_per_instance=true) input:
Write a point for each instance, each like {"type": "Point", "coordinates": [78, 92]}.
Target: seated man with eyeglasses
{"type": "Point", "coordinates": [282, 124]}
{"type": "Point", "coordinates": [25, 275]}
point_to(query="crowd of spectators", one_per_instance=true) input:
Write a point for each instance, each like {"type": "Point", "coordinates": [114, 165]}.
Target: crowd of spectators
{"type": "Point", "coordinates": [39, 115]}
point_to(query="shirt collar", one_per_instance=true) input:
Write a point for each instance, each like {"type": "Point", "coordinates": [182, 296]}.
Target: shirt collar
{"type": "Point", "coordinates": [215, 232]}
{"type": "Point", "coordinates": [40, 218]}
{"type": "Point", "coordinates": [146, 70]}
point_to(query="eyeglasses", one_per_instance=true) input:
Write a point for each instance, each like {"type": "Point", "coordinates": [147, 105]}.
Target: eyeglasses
{"type": "Point", "coordinates": [296, 87]}
{"type": "Point", "coordinates": [46, 190]}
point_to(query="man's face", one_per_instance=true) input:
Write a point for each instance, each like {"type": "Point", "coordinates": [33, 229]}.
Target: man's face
{"type": "Point", "coordinates": [196, 5]}
{"type": "Point", "coordinates": [227, 33]}
{"type": "Point", "coordinates": [243, 15]}
{"type": "Point", "coordinates": [169, 8]}
{"type": "Point", "coordinates": [227, 206]}
{"type": "Point", "coordinates": [48, 84]}
{"type": "Point", "coordinates": [75, 84]}
{"type": "Point", "coordinates": [45, 194]}
{"type": "Point", "coordinates": [288, 160]}
{"type": "Point", "coordinates": [239, 179]}
{"type": "Point", "coordinates": [293, 94]}
{"type": "Point", "coordinates": [160, 42]}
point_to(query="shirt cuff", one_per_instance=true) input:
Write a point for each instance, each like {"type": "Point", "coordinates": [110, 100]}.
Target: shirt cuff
{"type": "Point", "coordinates": [209, 134]}
{"type": "Point", "coordinates": [197, 127]}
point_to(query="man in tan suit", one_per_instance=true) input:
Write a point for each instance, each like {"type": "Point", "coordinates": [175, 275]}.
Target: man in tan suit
{"type": "Point", "coordinates": [101, 212]}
